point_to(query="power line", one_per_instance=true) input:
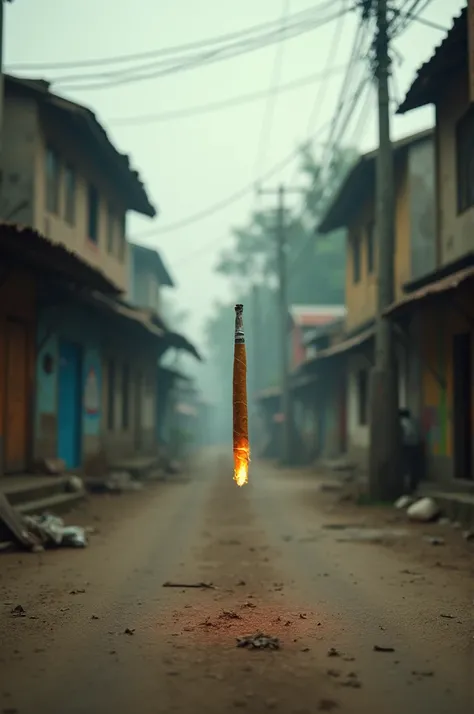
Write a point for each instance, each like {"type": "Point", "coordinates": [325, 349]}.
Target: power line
{"type": "Point", "coordinates": [229, 200]}
{"type": "Point", "coordinates": [142, 119]}
{"type": "Point", "coordinates": [269, 112]}
{"type": "Point", "coordinates": [118, 59]}
{"type": "Point", "coordinates": [119, 78]}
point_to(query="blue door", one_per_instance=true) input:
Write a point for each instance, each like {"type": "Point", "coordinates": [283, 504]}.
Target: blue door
{"type": "Point", "coordinates": [69, 406]}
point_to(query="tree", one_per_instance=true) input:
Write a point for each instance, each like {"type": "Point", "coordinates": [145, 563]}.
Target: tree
{"type": "Point", "coordinates": [316, 266]}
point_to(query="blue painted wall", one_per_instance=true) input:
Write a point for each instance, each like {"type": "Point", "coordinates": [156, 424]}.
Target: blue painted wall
{"type": "Point", "coordinates": [75, 325]}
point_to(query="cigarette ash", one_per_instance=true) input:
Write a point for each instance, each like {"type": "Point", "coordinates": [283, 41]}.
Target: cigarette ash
{"type": "Point", "coordinates": [259, 641]}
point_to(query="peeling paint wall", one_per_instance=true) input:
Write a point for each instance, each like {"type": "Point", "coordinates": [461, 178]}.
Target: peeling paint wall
{"type": "Point", "coordinates": [422, 203]}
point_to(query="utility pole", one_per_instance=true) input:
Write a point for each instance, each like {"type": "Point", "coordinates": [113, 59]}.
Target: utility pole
{"type": "Point", "coordinates": [280, 235]}
{"type": "Point", "coordinates": [2, 102]}
{"type": "Point", "coordinates": [385, 468]}
{"type": "Point", "coordinates": [256, 339]}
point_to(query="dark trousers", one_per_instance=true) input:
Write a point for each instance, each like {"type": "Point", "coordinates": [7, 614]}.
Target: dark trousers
{"type": "Point", "coordinates": [411, 467]}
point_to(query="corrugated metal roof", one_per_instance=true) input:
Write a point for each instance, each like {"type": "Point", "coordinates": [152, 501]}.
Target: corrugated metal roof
{"type": "Point", "coordinates": [83, 120]}
{"type": "Point", "coordinates": [360, 183]}
{"type": "Point", "coordinates": [450, 282]}
{"type": "Point", "coordinates": [315, 315]}
{"type": "Point", "coordinates": [29, 247]}
{"type": "Point", "coordinates": [449, 56]}
{"type": "Point", "coordinates": [341, 347]}
{"type": "Point", "coordinates": [152, 255]}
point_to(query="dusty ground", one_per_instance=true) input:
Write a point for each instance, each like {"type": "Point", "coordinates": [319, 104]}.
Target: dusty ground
{"type": "Point", "coordinates": [277, 568]}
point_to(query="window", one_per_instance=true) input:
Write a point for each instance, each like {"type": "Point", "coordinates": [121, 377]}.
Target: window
{"type": "Point", "coordinates": [111, 395]}
{"type": "Point", "coordinates": [53, 171]}
{"type": "Point", "coordinates": [356, 257]}
{"type": "Point", "coordinates": [70, 198]}
{"type": "Point", "coordinates": [93, 214]}
{"type": "Point", "coordinates": [362, 397]}
{"type": "Point", "coordinates": [465, 161]}
{"type": "Point", "coordinates": [370, 247]}
{"type": "Point", "coordinates": [110, 230]}
{"type": "Point", "coordinates": [125, 396]}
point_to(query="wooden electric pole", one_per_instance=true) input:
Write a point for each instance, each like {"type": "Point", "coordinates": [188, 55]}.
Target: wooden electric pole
{"type": "Point", "coordinates": [280, 235]}
{"type": "Point", "coordinates": [385, 468]}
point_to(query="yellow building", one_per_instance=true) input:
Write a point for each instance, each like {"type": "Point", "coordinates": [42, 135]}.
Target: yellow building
{"type": "Point", "coordinates": [443, 303]}
{"type": "Point", "coordinates": [353, 208]}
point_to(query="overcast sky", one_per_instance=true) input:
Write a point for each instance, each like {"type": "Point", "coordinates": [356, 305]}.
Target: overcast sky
{"type": "Point", "coordinates": [192, 163]}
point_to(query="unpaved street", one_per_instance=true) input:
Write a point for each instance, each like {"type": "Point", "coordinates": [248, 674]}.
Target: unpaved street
{"type": "Point", "coordinates": [101, 633]}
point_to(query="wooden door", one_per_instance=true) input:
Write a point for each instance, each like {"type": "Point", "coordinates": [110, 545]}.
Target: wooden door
{"type": "Point", "coordinates": [16, 397]}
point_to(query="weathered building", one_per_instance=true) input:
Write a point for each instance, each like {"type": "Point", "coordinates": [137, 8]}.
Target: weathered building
{"type": "Point", "coordinates": [353, 208]}
{"type": "Point", "coordinates": [28, 261]}
{"type": "Point", "coordinates": [64, 177]}
{"type": "Point", "coordinates": [441, 305]}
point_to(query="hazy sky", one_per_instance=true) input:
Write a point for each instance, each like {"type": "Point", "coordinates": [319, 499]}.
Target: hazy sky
{"type": "Point", "coordinates": [190, 164]}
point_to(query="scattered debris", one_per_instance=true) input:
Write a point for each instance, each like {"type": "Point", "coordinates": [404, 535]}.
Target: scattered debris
{"type": "Point", "coordinates": [469, 536]}
{"type": "Point", "coordinates": [80, 591]}
{"type": "Point", "coordinates": [333, 652]}
{"type": "Point", "coordinates": [75, 484]}
{"type": "Point", "coordinates": [52, 531]}
{"type": "Point", "coordinates": [197, 586]}
{"type": "Point", "coordinates": [241, 583]}
{"type": "Point", "coordinates": [434, 540]}
{"type": "Point", "coordinates": [421, 675]}
{"type": "Point", "coordinates": [229, 615]}
{"type": "Point", "coordinates": [129, 631]}
{"type": "Point", "coordinates": [248, 604]}
{"type": "Point", "coordinates": [404, 502]}
{"type": "Point", "coordinates": [378, 648]}
{"type": "Point", "coordinates": [15, 525]}
{"type": "Point", "coordinates": [116, 482]}
{"type": "Point", "coordinates": [333, 673]}
{"type": "Point", "coordinates": [259, 641]}
{"type": "Point", "coordinates": [327, 705]}
{"type": "Point", "coordinates": [352, 683]}
{"type": "Point", "coordinates": [18, 611]}
{"type": "Point", "coordinates": [447, 617]}
{"type": "Point", "coordinates": [424, 510]}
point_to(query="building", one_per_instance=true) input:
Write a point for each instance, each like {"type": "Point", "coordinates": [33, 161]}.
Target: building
{"type": "Point", "coordinates": [441, 305]}
{"type": "Point", "coordinates": [95, 357]}
{"type": "Point", "coordinates": [147, 276]}
{"type": "Point", "coordinates": [65, 179]}
{"type": "Point", "coordinates": [305, 319]}
{"type": "Point", "coordinates": [27, 260]}
{"type": "Point", "coordinates": [348, 362]}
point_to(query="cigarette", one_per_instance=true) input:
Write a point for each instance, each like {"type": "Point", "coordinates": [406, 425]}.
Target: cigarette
{"type": "Point", "coordinates": [240, 408]}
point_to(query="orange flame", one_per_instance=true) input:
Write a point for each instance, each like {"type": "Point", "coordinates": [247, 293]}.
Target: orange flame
{"type": "Point", "coordinates": [241, 465]}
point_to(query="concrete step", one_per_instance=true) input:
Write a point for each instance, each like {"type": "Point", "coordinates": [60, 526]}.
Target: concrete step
{"type": "Point", "coordinates": [458, 507]}
{"type": "Point", "coordinates": [35, 494]}
{"type": "Point", "coordinates": [59, 503]}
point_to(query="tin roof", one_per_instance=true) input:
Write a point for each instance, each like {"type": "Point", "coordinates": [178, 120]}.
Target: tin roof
{"type": "Point", "coordinates": [87, 127]}
{"type": "Point", "coordinates": [341, 347]}
{"type": "Point", "coordinates": [155, 259]}
{"type": "Point", "coordinates": [360, 183]}
{"type": "Point", "coordinates": [315, 315]}
{"type": "Point", "coordinates": [450, 56]}
{"type": "Point", "coordinates": [30, 248]}
{"type": "Point", "coordinates": [446, 284]}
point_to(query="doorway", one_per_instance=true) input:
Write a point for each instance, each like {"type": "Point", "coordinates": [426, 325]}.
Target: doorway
{"type": "Point", "coordinates": [138, 411]}
{"type": "Point", "coordinates": [462, 406]}
{"type": "Point", "coordinates": [16, 397]}
{"type": "Point", "coordinates": [70, 404]}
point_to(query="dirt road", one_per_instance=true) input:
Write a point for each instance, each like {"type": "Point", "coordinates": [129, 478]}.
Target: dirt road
{"type": "Point", "coordinates": [363, 628]}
